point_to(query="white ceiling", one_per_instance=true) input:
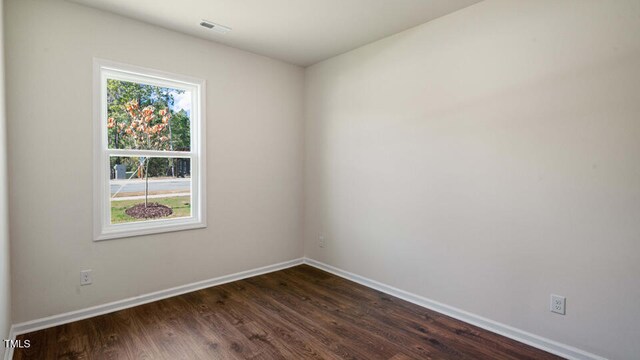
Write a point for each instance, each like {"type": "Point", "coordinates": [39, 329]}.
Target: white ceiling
{"type": "Point", "coordinates": [300, 32]}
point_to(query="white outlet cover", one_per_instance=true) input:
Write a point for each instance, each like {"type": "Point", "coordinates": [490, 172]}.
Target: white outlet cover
{"type": "Point", "coordinates": [85, 277]}
{"type": "Point", "coordinates": [558, 304]}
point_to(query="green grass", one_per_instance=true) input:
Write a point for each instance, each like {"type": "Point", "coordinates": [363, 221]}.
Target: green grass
{"type": "Point", "coordinates": [181, 206]}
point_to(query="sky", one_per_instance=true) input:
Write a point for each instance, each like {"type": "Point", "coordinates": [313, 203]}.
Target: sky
{"type": "Point", "coordinates": [182, 101]}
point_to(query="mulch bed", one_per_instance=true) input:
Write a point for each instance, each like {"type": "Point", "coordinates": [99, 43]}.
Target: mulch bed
{"type": "Point", "coordinates": [152, 210]}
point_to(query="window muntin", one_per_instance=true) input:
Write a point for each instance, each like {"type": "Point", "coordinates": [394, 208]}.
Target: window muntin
{"type": "Point", "coordinates": [149, 152]}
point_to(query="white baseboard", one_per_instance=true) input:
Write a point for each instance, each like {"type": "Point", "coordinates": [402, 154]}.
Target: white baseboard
{"type": "Point", "coordinates": [522, 336]}
{"type": "Point", "coordinates": [72, 316]}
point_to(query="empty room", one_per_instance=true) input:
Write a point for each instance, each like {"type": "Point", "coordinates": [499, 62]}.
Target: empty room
{"type": "Point", "coordinates": [320, 179]}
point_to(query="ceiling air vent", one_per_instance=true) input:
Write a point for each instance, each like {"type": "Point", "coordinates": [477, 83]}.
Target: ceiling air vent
{"type": "Point", "coordinates": [215, 27]}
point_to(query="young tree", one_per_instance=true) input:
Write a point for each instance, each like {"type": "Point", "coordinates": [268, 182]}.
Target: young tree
{"type": "Point", "coordinates": [143, 128]}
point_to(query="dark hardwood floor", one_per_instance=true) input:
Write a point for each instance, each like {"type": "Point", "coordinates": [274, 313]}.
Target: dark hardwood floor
{"type": "Point", "coordinates": [297, 313]}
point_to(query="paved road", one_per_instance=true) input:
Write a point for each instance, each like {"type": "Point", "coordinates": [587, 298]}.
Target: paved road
{"type": "Point", "coordinates": [154, 185]}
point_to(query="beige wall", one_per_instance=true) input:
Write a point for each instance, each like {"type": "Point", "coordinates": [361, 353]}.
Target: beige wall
{"type": "Point", "coordinates": [486, 160]}
{"type": "Point", "coordinates": [5, 279]}
{"type": "Point", "coordinates": [254, 160]}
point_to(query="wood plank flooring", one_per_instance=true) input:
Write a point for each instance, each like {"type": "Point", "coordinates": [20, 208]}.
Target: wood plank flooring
{"type": "Point", "coordinates": [297, 313]}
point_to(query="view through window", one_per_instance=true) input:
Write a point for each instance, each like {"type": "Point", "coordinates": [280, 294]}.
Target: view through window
{"type": "Point", "coordinates": [147, 117]}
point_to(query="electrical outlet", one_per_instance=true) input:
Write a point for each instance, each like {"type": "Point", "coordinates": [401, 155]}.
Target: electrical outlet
{"type": "Point", "coordinates": [321, 242]}
{"type": "Point", "coordinates": [558, 304]}
{"type": "Point", "coordinates": [85, 277]}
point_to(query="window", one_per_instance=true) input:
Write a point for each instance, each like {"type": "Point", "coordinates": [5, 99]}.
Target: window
{"type": "Point", "coordinates": [149, 151]}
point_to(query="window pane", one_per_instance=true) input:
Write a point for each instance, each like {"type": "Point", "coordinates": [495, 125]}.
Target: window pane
{"type": "Point", "coordinates": [147, 117]}
{"type": "Point", "coordinates": [164, 184]}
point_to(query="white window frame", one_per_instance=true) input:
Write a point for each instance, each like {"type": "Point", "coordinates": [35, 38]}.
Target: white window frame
{"type": "Point", "coordinates": [102, 227]}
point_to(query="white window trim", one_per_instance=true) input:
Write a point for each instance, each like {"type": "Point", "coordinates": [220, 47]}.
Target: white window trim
{"type": "Point", "coordinates": [102, 227]}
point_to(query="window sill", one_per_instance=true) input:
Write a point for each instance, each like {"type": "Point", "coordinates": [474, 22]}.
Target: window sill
{"type": "Point", "coordinates": [118, 231]}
